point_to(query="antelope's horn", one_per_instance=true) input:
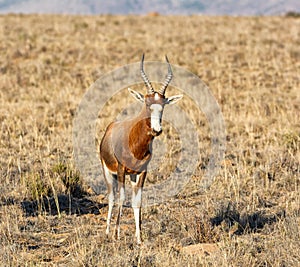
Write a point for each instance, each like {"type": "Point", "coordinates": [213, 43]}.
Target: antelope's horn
{"type": "Point", "coordinates": [150, 89]}
{"type": "Point", "coordinates": [168, 79]}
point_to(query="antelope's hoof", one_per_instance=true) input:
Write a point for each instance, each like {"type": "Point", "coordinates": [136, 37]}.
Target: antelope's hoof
{"type": "Point", "coordinates": [139, 241]}
{"type": "Point", "coordinates": [117, 234]}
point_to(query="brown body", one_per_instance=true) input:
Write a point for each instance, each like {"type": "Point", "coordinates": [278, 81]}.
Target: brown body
{"type": "Point", "coordinates": [130, 149]}
{"type": "Point", "coordinates": [129, 142]}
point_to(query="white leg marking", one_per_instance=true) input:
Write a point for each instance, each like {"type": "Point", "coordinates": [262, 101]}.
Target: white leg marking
{"type": "Point", "coordinates": [137, 216]}
{"type": "Point", "coordinates": [110, 208]}
{"type": "Point", "coordinates": [111, 195]}
{"type": "Point", "coordinates": [122, 197]}
{"type": "Point", "coordinates": [137, 198]}
{"type": "Point", "coordinates": [136, 205]}
{"type": "Point", "coordinates": [121, 201]}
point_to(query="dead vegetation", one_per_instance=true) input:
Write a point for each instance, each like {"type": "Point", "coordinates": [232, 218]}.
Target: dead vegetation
{"type": "Point", "coordinates": [251, 214]}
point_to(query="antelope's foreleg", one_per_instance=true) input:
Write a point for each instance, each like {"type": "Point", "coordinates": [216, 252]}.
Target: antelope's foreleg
{"type": "Point", "coordinates": [136, 205]}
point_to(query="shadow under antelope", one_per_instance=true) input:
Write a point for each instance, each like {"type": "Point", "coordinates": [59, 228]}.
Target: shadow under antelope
{"type": "Point", "coordinates": [126, 146]}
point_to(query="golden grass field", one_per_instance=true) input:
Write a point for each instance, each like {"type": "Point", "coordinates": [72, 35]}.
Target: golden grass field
{"type": "Point", "coordinates": [251, 214]}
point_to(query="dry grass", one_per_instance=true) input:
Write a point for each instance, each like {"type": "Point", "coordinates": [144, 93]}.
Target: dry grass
{"type": "Point", "coordinates": [47, 214]}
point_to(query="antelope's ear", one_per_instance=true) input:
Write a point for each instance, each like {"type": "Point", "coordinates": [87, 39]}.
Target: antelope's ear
{"type": "Point", "coordinates": [138, 96]}
{"type": "Point", "coordinates": [173, 99]}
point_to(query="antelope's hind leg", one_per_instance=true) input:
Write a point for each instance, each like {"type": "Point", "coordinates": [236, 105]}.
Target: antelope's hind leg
{"type": "Point", "coordinates": [111, 182]}
{"type": "Point", "coordinates": [121, 189]}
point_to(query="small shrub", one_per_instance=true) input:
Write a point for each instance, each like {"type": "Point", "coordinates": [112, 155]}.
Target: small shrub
{"type": "Point", "coordinates": [292, 14]}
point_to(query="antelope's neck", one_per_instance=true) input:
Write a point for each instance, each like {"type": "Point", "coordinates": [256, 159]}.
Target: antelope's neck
{"type": "Point", "coordinates": [140, 138]}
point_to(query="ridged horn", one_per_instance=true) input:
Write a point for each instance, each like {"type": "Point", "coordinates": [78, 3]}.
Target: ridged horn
{"type": "Point", "coordinates": [168, 79]}
{"type": "Point", "coordinates": [150, 89]}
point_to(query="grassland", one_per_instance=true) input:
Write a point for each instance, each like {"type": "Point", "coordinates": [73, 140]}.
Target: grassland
{"type": "Point", "coordinates": [251, 214]}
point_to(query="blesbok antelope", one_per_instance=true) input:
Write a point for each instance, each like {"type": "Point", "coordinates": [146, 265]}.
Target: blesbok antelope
{"type": "Point", "coordinates": [126, 146]}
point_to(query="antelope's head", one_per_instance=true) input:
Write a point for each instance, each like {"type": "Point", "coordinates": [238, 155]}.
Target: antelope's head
{"type": "Point", "coordinates": [155, 101]}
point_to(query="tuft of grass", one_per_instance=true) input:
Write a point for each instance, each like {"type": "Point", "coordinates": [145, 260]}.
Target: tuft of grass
{"type": "Point", "coordinates": [37, 187]}
{"type": "Point", "coordinates": [291, 141]}
{"type": "Point", "coordinates": [70, 178]}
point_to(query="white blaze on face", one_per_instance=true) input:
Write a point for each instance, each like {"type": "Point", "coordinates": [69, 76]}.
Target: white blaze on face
{"type": "Point", "coordinates": [156, 113]}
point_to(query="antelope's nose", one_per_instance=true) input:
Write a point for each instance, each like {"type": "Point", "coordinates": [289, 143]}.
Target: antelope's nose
{"type": "Point", "coordinates": [157, 132]}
